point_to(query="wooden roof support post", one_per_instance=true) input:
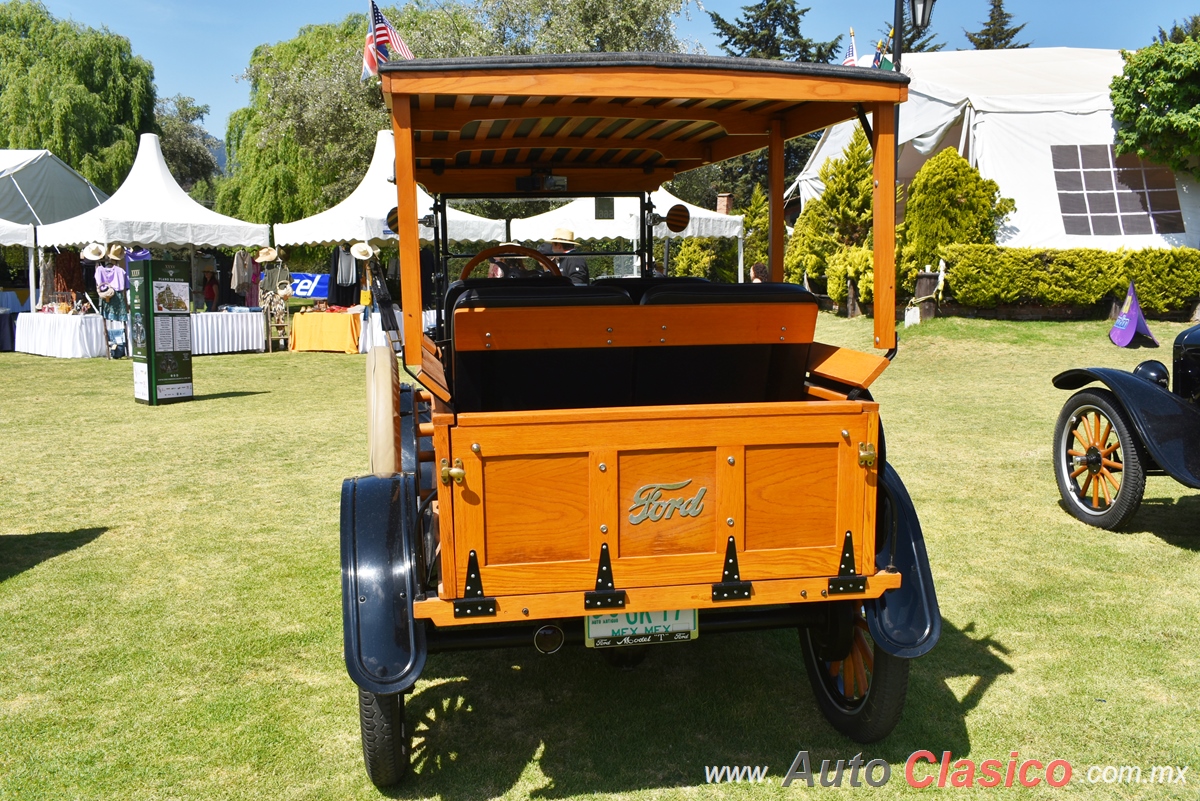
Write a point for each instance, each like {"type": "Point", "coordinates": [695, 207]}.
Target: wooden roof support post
{"type": "Point", "coordinates": [410, 246]}
{"type": "Point", "coordinates": [776, 233]}
{"type": "Point", "coordinates": [885, 224]}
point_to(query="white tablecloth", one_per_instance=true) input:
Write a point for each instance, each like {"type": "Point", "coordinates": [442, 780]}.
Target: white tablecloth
{"type": "Point", "coordinates": [9, 300]}
{"type": "Point", "coordinates": [67, 336]}
{"type": "Point", "coordinates": [228, 332]}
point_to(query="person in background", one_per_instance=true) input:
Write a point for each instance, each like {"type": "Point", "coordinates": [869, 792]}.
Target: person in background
{"type": "Point", "coordinates": [212, 289]}
{"type": "Point", "coordinates": [573, 267]}
{"type": "Point", "coordinates": [759, 274]}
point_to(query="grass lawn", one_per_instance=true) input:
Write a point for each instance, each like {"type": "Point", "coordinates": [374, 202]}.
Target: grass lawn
{"type": "Point", "coordinates": [170, 621]}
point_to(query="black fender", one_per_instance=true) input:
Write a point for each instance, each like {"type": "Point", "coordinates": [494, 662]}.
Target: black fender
{"type": "Point", "coordinates": [385, 645]}
{"type": "Point", "coordinates": [1167, 424]}
{"type": "Point", "coordinates": [906, 621]}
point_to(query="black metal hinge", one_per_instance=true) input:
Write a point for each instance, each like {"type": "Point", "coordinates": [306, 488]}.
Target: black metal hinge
{"type": "Point", "coordinates": [474, 603]}
{"type": "Point", "coordinates": [604, 596]}
{"type": "Point", "coordinates": [848, 581]}
{"type": "Point", "coordinates": [731, 587]}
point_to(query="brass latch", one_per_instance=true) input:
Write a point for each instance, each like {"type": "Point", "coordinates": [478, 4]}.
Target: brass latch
{"type": "Point", "coordinates": [866, 454]}
{"type": "Point", "coordinates": [457, 472]}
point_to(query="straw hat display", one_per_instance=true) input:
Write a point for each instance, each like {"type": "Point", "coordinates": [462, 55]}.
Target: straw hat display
{"type": "Point", "coordinates": [116, 253]}
{"type": "Point", "coordinates": [93, 252]}
{"type": "Point", "coordinates": [564, 236]}
{"type": "Point", "coordinates": [266, 254]}
{"type": "Point", "coordinates": [362, 251]}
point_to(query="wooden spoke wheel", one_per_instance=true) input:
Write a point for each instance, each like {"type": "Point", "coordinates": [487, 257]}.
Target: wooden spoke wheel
{"type": "Point", "coordinates": [861, 695]}
{"type": "Point", "coordinates": [1099, 462]}
{"type": "Point", "coordinates": [508, 250]}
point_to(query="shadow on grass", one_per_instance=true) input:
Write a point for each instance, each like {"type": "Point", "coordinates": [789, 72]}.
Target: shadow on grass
{"type": "Point", "coordinates": [1172, 520]}
{"type": "Point", "coordinates": [570, 724]}
{"type": "Point", "coordinates": [232, 394]}
{"type": "Point", "coordinates": [20, 552]}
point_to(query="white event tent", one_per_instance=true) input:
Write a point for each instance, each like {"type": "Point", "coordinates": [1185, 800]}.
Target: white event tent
{"type": "Point", "coordinates": [1039, 122]}
{"type": "Point", "coordinates": [362, 216]}
{"type": "Point", "coordinates": [151, 209]}
{"type": "Point", "coordinates": [581, 217]}
{"type": "Point", "coordinates": [38, 187]}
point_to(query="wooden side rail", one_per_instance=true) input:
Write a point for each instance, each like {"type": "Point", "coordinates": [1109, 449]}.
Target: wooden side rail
{"type": "Point", "coordinates": [565, 327]}
{"type": "Point", "coordinates": [845, 366]}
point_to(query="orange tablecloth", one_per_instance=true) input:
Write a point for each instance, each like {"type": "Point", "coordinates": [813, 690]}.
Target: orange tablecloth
{"type": "Point", "coordinates": [326, 331]}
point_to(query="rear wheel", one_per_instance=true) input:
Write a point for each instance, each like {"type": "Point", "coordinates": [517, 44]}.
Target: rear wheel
{"type": "Point", "coordinates": [1099, 462]}
{"type": "Point", "coordinates": [861, 695]}
{"type": "Point", "coordinates": [384, 737]}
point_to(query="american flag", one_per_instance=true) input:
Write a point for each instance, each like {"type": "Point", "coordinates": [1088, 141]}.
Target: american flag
{"type": "Point", "coordinates": [851, 58]}
{"type": "Point", "coordinates": [386, 36]}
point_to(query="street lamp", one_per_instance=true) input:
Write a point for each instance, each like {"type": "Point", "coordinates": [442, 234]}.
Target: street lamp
{"type": "Point", "coordinates": [920, 11]}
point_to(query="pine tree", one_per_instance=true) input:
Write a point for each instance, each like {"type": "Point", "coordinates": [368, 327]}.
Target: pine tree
{"type": "Point", "coordinates": [914, 41]}
{"type": "Point", "coordinates": [771, 29]}
{"type": "Point", "coordinates": [997, 34]}
{"type": "Point", "coordinates": [1190, 29]}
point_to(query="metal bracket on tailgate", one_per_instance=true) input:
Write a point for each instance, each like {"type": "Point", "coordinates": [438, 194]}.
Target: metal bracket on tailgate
{"type": "Point", "coordinates": [604, 596]}
{"type": "Point", "coordinates": [731, 588]}
{"type": "Point", "coordinates": [847, 581]}
{"type": "Point", "coordinates": [474, 603]}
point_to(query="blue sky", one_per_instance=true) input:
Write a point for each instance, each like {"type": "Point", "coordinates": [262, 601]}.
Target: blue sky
{"type": "Point", "coordinates": [198, 48]}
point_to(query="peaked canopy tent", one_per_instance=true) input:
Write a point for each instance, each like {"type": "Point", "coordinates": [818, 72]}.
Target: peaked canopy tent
{"type": "Point", "coordinates": [1038, 122]}
{"type": "Point", "coordinates": [151, 210]}
{"type": "Point", "coordinates": [362, 216]}
{"type": "Point", "coordinates": [38, 187]}
{"type": "Point", "coordinates": [583, 217]}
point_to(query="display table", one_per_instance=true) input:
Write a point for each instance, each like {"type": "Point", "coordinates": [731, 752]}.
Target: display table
{"type": "Point", "coordinates": [331, 331]}
{"type": "Point", "coordinates": [12, 301]}
{"type": "Point", "coordinates": [67, 336]}
{"type": "Point", "coordinates": [228, 332]}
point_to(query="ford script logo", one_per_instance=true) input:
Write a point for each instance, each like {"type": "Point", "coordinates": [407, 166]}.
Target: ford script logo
{"type": "Point", "coordinates": [649, 504]}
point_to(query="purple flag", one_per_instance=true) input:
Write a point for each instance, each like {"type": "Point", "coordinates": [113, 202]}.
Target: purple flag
{"type": "Point", "coordinates": [1130, 322]}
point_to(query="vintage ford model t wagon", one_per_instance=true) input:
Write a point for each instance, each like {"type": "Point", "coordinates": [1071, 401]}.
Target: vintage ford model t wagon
{"type": "Point", "coordinates": [639, 459]}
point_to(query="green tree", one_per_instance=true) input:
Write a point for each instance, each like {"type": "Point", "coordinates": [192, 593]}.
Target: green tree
{"type": "Point", "coordinates": [695, 257]}
{"type": "Point", "coordinates": [74, 90]}
{"type": "Point", "coordinates": [579, 26]}
{"type": "Point", "coordinates": [187, 147]}
{"type": "Point", "coordinates": [771, 30]}
{"type": "Point", "coordinates": [997, 33]}
{"type": "Point", "coordinates": [914, 41]}
{"type": "Point", "coordinates": [1156, 103]}
{"type": "Point", "coordinates": [841, 218]}
{"type": "Point", "coordinates": [949, 202]}
{"type": "Point", "coordinates": [1190, 29]}
{"type": "Point", "coordinates": [756, 222]}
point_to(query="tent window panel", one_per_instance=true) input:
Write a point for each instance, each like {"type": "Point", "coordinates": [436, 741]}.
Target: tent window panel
{"type": "Point", "coordinates": [1076, 225]}
{"type": "Point", "coordinates": [1159, 178]}
{"type": "Point", "coordinates": [1065, 157]}
{"type": "Point", "coordinates": [1102, 202]}
{"type": "Point", "coordinates": [1164, 201]}
{"type": "Point", "coordinates": [1096, 181]}
{"type": "Point", "coordinates": [1136, 224]}
{"type": "Point", "coordinates": [1127, 160]}
{"type": "Point", "coordinates": [1133, 203]}
{"type": "Point", "coordinates": [1072, 203]}
{"type": "Point", "coordinates": [1106, 225]}
{"type": "Point", "coordinates": [1096, 157]}
{"type": "Point", "coordinates": [1170, 223]}
{"type": "Point", "coordinates": [1131, 179]}
{"type": "Point", "coordinates": [1069, 181]}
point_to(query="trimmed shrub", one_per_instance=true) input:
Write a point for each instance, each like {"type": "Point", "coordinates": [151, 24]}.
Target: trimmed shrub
{"type": "Point", "coordinates": [986, 276]}
{"type": "Point", "coordinates": [757, 222]}
{"type": "Point", "coordinates": [841, 217]}
{"type": "Point", "coordinates": [696, 257]}
{"type": "Point", "coordinates": [948, 203]}
{"type": "Point", "coordinates": [856, 264]}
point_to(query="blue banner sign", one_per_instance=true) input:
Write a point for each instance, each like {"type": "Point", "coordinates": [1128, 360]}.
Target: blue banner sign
{"type": "Point", "coordinates": [310, 285]}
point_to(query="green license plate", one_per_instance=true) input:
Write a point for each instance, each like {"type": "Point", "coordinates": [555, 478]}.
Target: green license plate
{"type": "Point", "coordinates": [641, 628]}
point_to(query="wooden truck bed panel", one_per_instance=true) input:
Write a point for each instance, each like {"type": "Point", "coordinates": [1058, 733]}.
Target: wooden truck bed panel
{"type": "Point", "coordinates": [665, 492]}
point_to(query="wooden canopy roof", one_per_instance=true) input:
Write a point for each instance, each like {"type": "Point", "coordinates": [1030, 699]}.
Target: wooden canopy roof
{"type": "Point", "coordinates": [610, 121]}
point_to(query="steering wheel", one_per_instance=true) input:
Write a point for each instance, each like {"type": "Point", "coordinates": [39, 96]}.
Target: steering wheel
{"type": "Point", "coordinates": [503, 250]}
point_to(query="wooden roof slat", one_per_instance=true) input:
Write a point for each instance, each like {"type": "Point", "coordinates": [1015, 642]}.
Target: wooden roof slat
{"type": "Point", "coordinates": [453, 120]}
{"type": "Point", "coordinates": [668, 147]}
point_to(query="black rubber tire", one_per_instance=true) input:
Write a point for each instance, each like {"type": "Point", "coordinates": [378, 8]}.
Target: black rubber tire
{"type": "Point", "coordinates": [1132, 456]}
{"type": "Point", "coordinates": [868, 719]}
{"type": "Point", "coordinates": [385, 740]}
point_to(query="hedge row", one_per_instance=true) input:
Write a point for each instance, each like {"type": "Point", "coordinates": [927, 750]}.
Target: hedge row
{"type": "Point", "coordinates": [985, 276]}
